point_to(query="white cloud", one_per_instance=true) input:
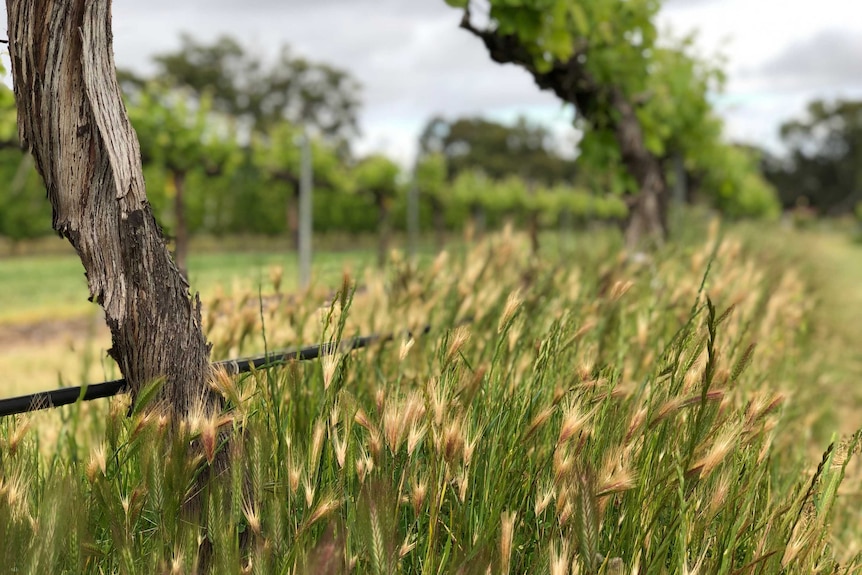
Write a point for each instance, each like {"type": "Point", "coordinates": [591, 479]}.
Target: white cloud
{"type": "Point", "coordinates": [413, 61]}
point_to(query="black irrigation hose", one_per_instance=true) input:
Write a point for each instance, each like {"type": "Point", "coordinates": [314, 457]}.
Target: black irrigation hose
{"type": "Point", "coordinates": [67, 395]}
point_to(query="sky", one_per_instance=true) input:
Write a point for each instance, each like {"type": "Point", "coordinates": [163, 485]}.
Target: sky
{"type": "Point", "coordinates": [414, 62]}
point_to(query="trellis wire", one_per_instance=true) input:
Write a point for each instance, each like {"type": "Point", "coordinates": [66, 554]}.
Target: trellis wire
{"type": "Point", "coordinates": [69, 395]}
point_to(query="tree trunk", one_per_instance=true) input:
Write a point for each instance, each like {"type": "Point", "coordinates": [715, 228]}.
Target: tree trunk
{"type": "Point", "coordinates": [439, 224]}
{"type": "Point", "coordinates": [181, 233]}
{"type": "Point", "coordinates": [72, 119]}
{"type": "Point", "coordinates": [647, 218]}
{"type": "Point", "coordinates": [600, 104]}
{"type": "Point", "coordinates": [383, 231]}
{"type": "Point", "coordinates": [533, 230]}
{"type": "Point", "coordinates": [477, 213]}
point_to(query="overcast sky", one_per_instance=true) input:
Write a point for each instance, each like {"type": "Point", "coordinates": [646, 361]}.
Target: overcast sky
{"type": "Point", "coordinates": [413, 61]}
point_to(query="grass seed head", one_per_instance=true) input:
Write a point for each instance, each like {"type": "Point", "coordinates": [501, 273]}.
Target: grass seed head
{"type": "Point", "coordinates": [323, 509]}
{"type": "Point", "coordinates": [513, 304]}
{"type": "Point", "coordinates": [539, 420]}
{"type": "Point", "coordinates": [418, 494]}
{"type": "Point", "coordinates": [329, 364]}
{"type": "Point", "coordinates": [294, 476]}
{"type": "Point", "coordinates": [251, 516]}
{"type": "Point", "coordinates": [507, 534]}
{"type": "Point", "coordinates": [406, 345]}
{"type": "Point", "coordinates": [18, 434]}
{"type": "Point", "coordinates": [362, 419]}
{"type": "Point", "coordinates": [97, 464]}
{"type": "Point", "coordinates": [414, 436]}
{"type": "Point", "coordinates": [574, 421]}
{"type": "Point", "coordinates": [453, 441]}
{"type": "Point", "coordinates": [459, 337]}
{"type": "Point", "coordinates": [721, 447]}
{"type": "Point", "coordinates": [543, 499]}
{"type": "Point", "coordinates": [339, 446]}
{"type": "Point", "coordinates": [559, 558]}
{"type": "Point", "coordinates": [620, 288]}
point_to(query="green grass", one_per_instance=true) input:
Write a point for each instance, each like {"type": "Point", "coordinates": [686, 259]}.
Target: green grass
{"type": "Point", "coordinates": [831, 263]}
{"type": "Point", "coordinates": [37, 287]}
{"type": "Point", "coordinates": [597, 415]}
{"type": "Point", "coordinates": [49, 287]}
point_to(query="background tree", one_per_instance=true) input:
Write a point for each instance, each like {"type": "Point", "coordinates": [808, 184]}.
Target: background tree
{"type": "Point", "coordinates": [604, 58]}
{"type": "Point", "coordinates": [181, 135]}
{"type": "Point", "coordinates": [377, 176]}
{"type": "Point", "coordinates": [278, 155]}
{"type": "Point", "coordinates": [431, 180]}
{"type": "Point", "coordinates": [524, 149]}
{"type": "Point", "coordinates": [260, 94]}
{"type": "Point", "coordinates": [475, 190]}
{"type": "Point", "coordinates": [824, 160]}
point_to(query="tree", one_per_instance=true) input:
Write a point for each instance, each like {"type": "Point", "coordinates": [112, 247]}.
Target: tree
{"type": "Point", "coordinates": [824, 160]}
{"type": "Point", "coordinates": [639, 102]}
{"type": "Point", "coordinates": [72, 119]}
{"type": "Point", "coordinates": [292, 88]}
{"type": "Point", "coordinates": [377, 176]}
{"type": "Point", "coordinates": [524, 149]}
{"type": "Point", "coordinates": [594, 56]}
{"type": "Point", "coordinates": [183, 136]}
{"type": "Point", "coordinates": [278, 155]}
{"type": "Point", "coordinates": [431, 183]}
{"type": "Point", "coordinates": [474, 189]}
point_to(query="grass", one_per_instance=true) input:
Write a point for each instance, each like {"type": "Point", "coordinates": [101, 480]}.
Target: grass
{"type": "Point", "coordinates": [590, 413]}
{"type": "Point", "coordinates": [36, 288]}
{"type": "Point", "coordinates": [829, 261]}
{"type": "Point", "coordinates": [68, 342]}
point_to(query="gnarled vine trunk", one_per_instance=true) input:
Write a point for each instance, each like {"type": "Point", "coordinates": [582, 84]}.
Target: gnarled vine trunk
{"type": "Point", "coordinates": [647, 217]}
{"type": "Point", "coordinates": [573, 83]}
{"type": "Point", "coordinates": [72, 119]}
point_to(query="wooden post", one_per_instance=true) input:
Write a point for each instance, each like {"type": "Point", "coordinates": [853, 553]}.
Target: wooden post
{"type": "Point", "coordinates": [413, 213]}
{"type": "Point", "coordinates": [305, 213]}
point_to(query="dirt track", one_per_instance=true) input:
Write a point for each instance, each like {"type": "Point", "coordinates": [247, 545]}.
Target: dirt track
{"type": "Point", "coordinates": [50, 330]}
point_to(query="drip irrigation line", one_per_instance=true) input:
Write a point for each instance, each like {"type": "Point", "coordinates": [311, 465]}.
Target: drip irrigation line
{"type": "Point", "coordinates": [68, 395]}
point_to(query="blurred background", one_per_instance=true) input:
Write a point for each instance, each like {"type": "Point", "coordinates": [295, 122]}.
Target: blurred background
{"type": "Point", "coordinates": [408, 136]}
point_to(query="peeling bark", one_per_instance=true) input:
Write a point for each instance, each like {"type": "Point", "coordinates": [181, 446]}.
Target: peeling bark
{"type": "Point", "coordinates": [72, 119]}
{"type": "Point", "coordinates": [181, 233]}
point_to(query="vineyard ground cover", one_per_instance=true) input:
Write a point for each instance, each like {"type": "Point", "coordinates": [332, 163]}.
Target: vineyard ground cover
{"type": "Point", "coordinates": [49, 333]}
{"type": "Point", "coordinates": [49, 330]}
{"type": "Point", "coordinates": [39, 287]}
{"type": "Point", "coordinates": [831, 263]}
{"type": "Point", "coordinates": [655, 435]}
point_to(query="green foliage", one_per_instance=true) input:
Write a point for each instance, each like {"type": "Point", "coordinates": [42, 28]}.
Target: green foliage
{"type": "Point", "coordinates": [24, 209]}
{"type": "Point", "coordinates": [563, 203]}
{"type": "Point", "coordinates": [431, 176]}
{"type": "Point", "coordinates": [8, 115]}
{"type": "Point", "coordinates": [473, 188]}
{"type": "Point", "coordinates": [378, 176]}
{"type": "Point", "coordinates": [740, 191]}
{"type": "Point", "coordinates": [261, 94]}
{"type": "Point", "coordinates": [524, 149]}
{"type": "Point", "coordinates": [180, 133]}
{"type": "Point", "coordinates": [278, 154]}
{"type": "Point", "coordinates": [824, 158]}
{"type": "Point", "coordinates": [605, 57]}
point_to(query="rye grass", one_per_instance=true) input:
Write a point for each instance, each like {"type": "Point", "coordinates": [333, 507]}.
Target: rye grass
{"type": "Point", "coordinates": [582, 413]}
